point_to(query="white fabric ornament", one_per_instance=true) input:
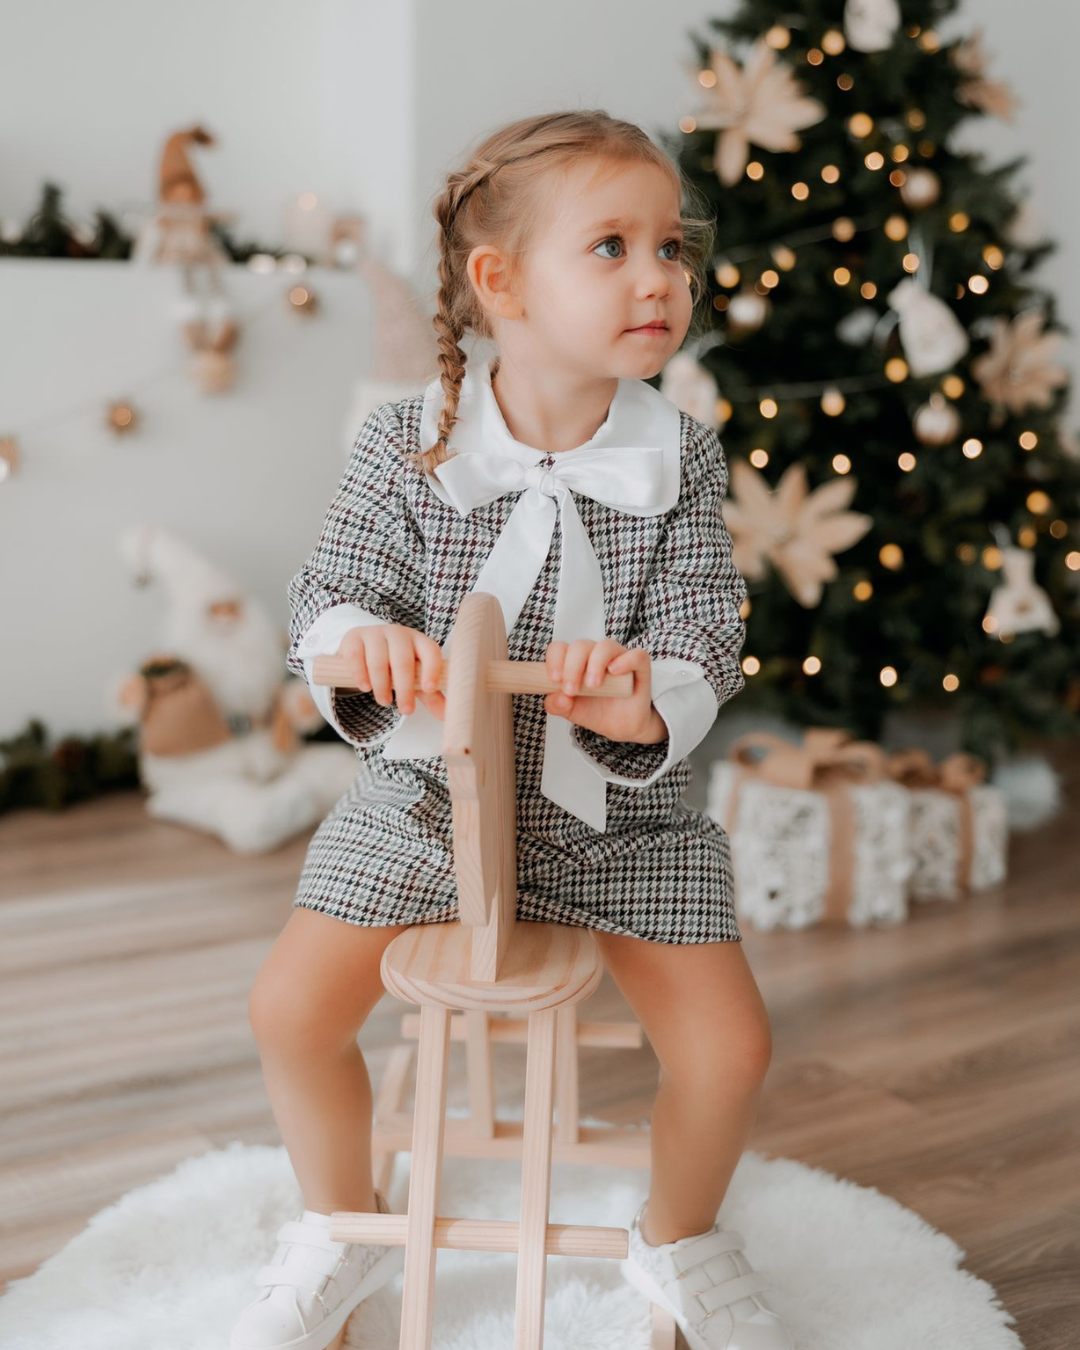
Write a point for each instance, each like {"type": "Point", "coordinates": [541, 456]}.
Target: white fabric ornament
{"type": "Point", "coordinates": [857, 327]}
{"type": "Point", "coordinates": [932, 336]}
{"type": "Point", "coordinates": [936, 422]}
{"type": "Point", "coordinates": [920, 189]}
{"type": "Point", "coordinates": [748, 311]}
{"type": "Point", "coordinates": [870, 25]}
{"type": "Point", "coordinates": [1019, 604]}
{"type": "Point", "coordinates": [691, 387]}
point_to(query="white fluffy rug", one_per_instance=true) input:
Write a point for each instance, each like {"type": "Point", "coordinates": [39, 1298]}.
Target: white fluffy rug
{"type": "Point", "coordinates": [170, 1264]}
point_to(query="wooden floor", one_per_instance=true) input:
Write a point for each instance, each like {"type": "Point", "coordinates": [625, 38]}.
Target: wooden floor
{"type": "Point", "coordinates": [937, 1062]}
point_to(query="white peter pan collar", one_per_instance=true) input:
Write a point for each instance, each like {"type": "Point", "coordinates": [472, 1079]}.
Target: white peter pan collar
{"type": "Point", "coordinates": [639, 415]}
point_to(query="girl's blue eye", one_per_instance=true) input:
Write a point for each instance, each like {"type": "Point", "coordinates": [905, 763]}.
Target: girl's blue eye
{"type": "Point", "coordinates": [675, 243]}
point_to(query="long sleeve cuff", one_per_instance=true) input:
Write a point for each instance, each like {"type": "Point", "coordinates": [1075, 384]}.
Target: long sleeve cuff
{"type": "Point", "coordinates": [358, 717]}
{"type": "Point", "coordinates": [686, 702]}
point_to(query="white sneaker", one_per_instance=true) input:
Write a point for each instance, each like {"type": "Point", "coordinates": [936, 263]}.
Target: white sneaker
{"type": "Point", "coordinates": [709, 1287]}
{"type": "Point", "coordinates": [312, 1285]}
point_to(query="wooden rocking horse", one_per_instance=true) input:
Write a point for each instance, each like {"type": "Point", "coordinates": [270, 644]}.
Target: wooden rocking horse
{"type": "Point", "coordinates": [486, 964]}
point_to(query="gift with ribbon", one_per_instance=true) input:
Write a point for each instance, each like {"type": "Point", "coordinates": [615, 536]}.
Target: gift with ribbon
{"type": "Point", "coordinates": [819, 830]}
{"type": "Point", "coordinates": [959, 823]}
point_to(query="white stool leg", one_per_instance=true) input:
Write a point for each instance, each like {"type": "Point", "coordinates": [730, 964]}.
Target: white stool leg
{"type": "Point", "coordinates": [535, 1181]}
{"type": "Point", "coordinates": [429, 1119]}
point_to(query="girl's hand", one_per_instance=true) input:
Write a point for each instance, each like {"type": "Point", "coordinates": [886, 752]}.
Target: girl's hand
{"type": "Point", "coordinates": [386, 657]}
{"type": "Point", "coordinates": [585, 661]}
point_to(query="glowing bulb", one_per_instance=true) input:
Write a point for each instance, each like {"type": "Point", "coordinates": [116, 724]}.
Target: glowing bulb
{"type": "Point", "coordinates": [891, 556]}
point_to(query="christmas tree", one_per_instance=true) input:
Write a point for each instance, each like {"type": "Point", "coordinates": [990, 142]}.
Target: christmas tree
{"type": "Point", "coordinates": [878, 363]}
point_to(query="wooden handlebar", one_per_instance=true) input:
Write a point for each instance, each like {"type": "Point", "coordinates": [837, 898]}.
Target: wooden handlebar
{"type": "Point", "coordinates": [504, 677]}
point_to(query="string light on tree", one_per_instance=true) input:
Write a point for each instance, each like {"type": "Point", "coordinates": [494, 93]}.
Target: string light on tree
{"type": "Point", "coordinates": [891, 556]}
{"type": "Point", "coordinates": [896, 228]}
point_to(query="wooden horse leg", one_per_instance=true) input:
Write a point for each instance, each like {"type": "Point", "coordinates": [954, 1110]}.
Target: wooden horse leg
{"type": "Point", "coordinates": [535, 1181]}
{"type": "Point", "coordinates": [566, 1076]}
{"type": "Point", "coordinates": [479, 1073]}
{"type": "Point", "coordinates": [387, 1105]}
{"type": "Point", "coordinates": [663, 1329]}
{"type": "Point", "coordinates": [418, 1291]}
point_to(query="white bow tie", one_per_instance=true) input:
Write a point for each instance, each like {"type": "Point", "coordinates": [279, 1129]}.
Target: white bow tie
{"type": "Point", "coordinates": [627, 478]}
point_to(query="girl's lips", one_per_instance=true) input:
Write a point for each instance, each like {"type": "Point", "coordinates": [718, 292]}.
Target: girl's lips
{"type": "Point", "coordinates": [649, 328]}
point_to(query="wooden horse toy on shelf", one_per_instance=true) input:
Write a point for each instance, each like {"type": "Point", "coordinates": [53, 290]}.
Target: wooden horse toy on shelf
{"type": "Point", "coordinates": [485, 964]}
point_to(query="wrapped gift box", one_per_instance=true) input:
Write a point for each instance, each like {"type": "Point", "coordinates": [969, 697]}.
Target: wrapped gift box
{"type": "Point", "coordinates": [959, 824]}
{"type": "Point", "coordinates": [819, 832]}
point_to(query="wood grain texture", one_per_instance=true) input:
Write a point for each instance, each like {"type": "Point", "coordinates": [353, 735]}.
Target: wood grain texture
{"type": "Point", "coordinates": [937, 1062]}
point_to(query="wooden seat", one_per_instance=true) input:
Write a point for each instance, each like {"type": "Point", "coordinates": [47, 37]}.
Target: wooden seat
{"type": "Point", "coordinates": [547, 965]}
{"type": "Point", "coordinates": [468, 977]}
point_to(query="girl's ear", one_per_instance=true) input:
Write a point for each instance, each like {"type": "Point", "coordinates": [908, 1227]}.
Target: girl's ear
{"type": "Point", "coordinates": [489, 275]}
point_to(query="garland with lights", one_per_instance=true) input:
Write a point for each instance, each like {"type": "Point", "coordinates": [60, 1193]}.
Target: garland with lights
{"type": "Point", "coordinates": [874, 340]}
{"type": "Point", "coordinates": [50, 233]}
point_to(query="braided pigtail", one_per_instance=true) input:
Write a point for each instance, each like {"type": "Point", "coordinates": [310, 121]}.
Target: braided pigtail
{"type": "Point", "coordinates": [456, 308]}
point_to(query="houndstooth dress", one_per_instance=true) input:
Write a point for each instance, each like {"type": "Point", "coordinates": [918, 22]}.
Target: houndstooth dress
{"type": "Point", "coordinates": [660, 871]}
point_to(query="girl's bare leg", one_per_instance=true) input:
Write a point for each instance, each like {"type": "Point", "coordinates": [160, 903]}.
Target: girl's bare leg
{"type": "Point", "coordinates": [705, 1018]}
{"type": "Point", "coordinates": [311, 997]}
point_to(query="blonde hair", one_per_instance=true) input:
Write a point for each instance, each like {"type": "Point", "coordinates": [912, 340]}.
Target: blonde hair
{"type": "Point", "coordinates": [495, 198]}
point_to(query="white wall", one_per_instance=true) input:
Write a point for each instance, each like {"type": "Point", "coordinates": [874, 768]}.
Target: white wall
{"type": "Point", "coordinates": [244, 476]}
{"type": "Point", "coordinates": [369, 106]}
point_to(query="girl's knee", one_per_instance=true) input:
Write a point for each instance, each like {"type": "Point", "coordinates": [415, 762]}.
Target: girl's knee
{"type": "Point", "coordinates": [290, 1017]}
{"type": "Point", "coordinates": [318, 984]}
{"type": "Point", "coordinates": [727, 1053]}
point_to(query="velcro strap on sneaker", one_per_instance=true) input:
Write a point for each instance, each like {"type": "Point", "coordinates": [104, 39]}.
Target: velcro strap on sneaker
{"type": "Point", "coordinates": [298, 1279]}
{"type": "Point", "coordinates": [739, 1286]}
{"type": "Point", "coordinates": [307, 1235]}
{"type": "Point", "coordinates": [714, 1243]}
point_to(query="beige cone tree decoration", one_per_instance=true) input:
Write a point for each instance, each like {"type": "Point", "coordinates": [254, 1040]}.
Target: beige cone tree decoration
{"type": "Point", "coordinates": [760, 104]}
{"type": "Point", "coordinates": [795, 530]}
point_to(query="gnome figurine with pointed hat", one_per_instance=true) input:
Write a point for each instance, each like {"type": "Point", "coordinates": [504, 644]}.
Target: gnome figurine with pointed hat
{"type": "Point", "coordinates": [179, 234]}
{"type": "Point", "coordinates": [220, 744]}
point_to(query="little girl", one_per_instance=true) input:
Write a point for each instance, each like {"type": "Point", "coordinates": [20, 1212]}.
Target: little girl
{"type": "Point", "coordinates": [563, 241]}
